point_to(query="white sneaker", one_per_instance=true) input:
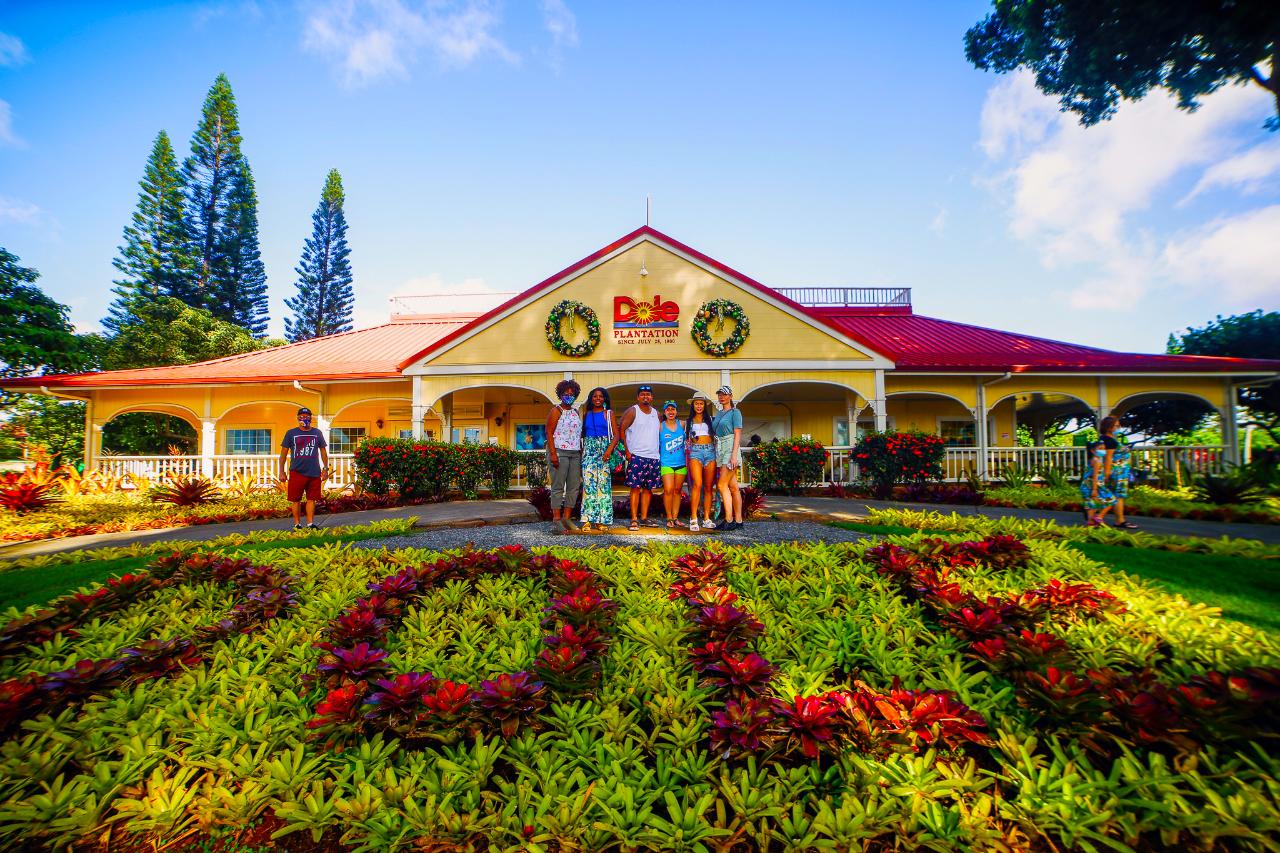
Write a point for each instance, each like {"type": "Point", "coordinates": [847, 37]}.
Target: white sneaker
{"type": "Point", "coordinates": [693, 525]}
{"type": "Point", "coordinates": [709, 524]}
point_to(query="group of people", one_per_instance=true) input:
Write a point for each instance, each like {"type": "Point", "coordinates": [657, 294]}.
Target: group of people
{"type": "Point", "coordinates": [1105, 484]}
{"type": "Point", "coordinates": [661, 450]}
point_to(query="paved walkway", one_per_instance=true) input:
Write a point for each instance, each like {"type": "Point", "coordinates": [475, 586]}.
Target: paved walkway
{"type": "Point", "coordinates": [795, 509]}
{"type": "Point", "coordinates": [452, 514]}
{"type": "Point", "coordinates": [517, 511]}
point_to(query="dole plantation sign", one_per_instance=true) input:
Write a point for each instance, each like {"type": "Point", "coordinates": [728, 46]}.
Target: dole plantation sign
{"type": "Point", "coordinates": [719, 327]}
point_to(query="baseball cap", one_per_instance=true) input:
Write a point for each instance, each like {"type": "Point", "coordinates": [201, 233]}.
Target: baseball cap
{"type": "Point", "coordinates": [725, 389]}
{"type": "Point", "coordinates": [304, 411]}
{"type": "Point", "coordinates": [671, 404]}
{"type": "Point", "coordinates": [644, 388]}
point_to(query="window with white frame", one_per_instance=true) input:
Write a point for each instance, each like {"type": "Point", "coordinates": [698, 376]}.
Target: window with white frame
{"type": "Point", "coordinates": [840, 430]}
{"type": "Point", "coordinates": [345, 439]}
{"type": "Point", "coordinates": [247, 442]}
{"type": "Point", "coordinates": [958, 432]}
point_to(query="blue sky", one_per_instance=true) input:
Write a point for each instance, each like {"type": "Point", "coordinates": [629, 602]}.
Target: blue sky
{"type": "Point", "coordinates": [485, 145]}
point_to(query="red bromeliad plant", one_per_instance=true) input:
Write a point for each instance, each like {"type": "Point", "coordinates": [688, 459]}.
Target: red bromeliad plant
{"type": "Point", "coordinates": [28, 497]}
{"type": "Point", "coordinates": [361, 662]}
{"type": "Point", "coordinates": [744, 726]}
{"type": "Point", "coordinates": [362, 625]}
{"type": "Point", "coordinates": [338, 712]}
{"type": "Point", "coordinates": [724, 623]}
{"type": "Point", "coordinates": [448, 702]}
{"type": "Point", "coordinates": [809, 722]}
{"type": "Point", "coordinates": [567, 668]}
{"type": "Point", "coordinates": [396, 703]}
{"type": "Point", "coordinates": [748, 674]}
{"type": "Point", "coordinates": [581, 608]}
{"type": "Point", "coordinates": [510, 700]}
{"type": "Point", "coordinates": [158, 658]}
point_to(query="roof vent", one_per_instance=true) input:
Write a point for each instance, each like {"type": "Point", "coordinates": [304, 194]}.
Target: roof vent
{"type": "Point", "coordinates": [849, 297]}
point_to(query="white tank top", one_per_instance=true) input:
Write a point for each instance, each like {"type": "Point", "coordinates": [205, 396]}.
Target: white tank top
{"type": "Point", "coordinates": [700, 430]}
{"type": "Point", "coordinates": [642, 435]}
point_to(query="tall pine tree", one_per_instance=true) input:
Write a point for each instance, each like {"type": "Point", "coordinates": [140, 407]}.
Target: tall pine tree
{"type": "Point", "coordinates": [222, 217]}
{"type": "Point", "coordinates": [153, 260]}
{"type": "Point", "coordinates": [323, 303]}
{"type": "Point", "coordinates": [243, 294]}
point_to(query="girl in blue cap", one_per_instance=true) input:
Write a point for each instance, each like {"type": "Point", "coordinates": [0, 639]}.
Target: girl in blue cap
{"type": "Point", "coordinates": [671, 442]}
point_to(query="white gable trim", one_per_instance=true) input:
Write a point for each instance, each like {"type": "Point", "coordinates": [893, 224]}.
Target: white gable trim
{"type": "Point", "coordinates": [875, 360]}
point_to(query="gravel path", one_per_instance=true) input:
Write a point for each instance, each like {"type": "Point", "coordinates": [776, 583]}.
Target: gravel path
{"type": "Point", "coordinates": [539, 535]}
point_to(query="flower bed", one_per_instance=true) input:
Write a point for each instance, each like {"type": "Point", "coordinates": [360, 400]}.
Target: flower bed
{"type": "Point", "coordinates": [979, 694]}
{"type": "Point", "coordinates": [1142, 500]}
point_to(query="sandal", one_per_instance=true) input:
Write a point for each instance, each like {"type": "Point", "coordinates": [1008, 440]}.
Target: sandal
{"type": "Point", "coordinates": [633, 527]}
{"type": "Point", "coordinates": [693, 525]}
{"type": "Point", "coordinates": [1126, 525]}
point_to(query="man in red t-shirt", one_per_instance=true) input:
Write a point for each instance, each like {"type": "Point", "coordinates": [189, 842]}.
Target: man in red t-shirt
{"type": "Point", "coordinates": [307, 471]}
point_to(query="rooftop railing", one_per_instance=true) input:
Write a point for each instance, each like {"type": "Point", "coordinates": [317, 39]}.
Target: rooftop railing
{"type": "Point", "coordinates": [849, 297]}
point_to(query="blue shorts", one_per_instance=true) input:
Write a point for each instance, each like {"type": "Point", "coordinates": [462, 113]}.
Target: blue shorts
{"type": "Point", "coordinates": [643, 473]}
{"type": "Point", "coordinates": [703, 453]}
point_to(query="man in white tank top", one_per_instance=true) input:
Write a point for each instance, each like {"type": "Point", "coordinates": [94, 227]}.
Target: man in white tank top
{"type": "Point", "coordinates": [639, 428]}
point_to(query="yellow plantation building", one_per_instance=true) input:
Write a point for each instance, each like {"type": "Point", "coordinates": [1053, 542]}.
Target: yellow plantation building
{"type": "Point", "coordinates": [822, 362]}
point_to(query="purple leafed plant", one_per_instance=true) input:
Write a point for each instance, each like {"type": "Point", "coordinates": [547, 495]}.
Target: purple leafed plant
{"type": "Point", "coordinates": [83, 679]}
{"type": "Point", "coordinates": [747, 674]}
{"type": "Point", "coordinates": [396, 703]}
{"type": "Point", "coordinates": [156, 658]}
{"type": "Point", "coordinates": [510, 700]}
{"type": "Point", "coordinates": [742, 725]}
{"type": "Point", "coordinates": [357, 626]}
{"type": "Point", "coordinates": [582, 609]}
{"type": "Point", "coordinates": [567, 668]}
{"type": "Point", "coordinates": [808, 721]}
{"type": "Point", "coordinates": [724, 623]}
{"type": "Point", "coordinates": [361, 662]}
{"type": "Point", "coordinates": [401, 585]}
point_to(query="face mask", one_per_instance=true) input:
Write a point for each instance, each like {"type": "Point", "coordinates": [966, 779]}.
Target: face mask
{"type": "Point", "coordinates": [568, 399]}
{"type": "Point", "coordinates": [306, 422]}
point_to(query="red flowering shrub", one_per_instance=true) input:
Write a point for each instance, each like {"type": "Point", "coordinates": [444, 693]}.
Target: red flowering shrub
{"type": "Point", "coordinates": [787, 465]}
{"type": "Point", "coordinates": [890, 458]}
{"type": "Point", "coordinates": [429, 469]}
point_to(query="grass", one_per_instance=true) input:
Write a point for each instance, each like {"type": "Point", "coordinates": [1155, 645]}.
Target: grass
{"type": "Point", "coordinates": [1247, 590]}
{"type": "Point", "coordinates": [24, 587]}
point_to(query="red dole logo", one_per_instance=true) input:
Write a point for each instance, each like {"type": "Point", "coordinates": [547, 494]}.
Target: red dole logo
{"type": "Point", "coordinates": [655, 314]}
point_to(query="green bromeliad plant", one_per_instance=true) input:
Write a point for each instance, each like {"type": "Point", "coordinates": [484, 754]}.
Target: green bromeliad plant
{"type": "Point", "coordinates": [879, 663]}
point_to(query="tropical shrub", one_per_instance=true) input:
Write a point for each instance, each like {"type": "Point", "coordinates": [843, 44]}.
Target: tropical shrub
{"type": "Point", "coordinates": [787, 465]}
{"type": "Point", "coordinates": [186, 491]}
{"type": "Point", "coordinates": [886, 459]}
{"type": "Point", "coordinates": [499, 466]}
{"type": "Point", "coordinates": [26, 497]}
{"type": "Point", "coordinates": [822, 704]}
{"type": "Point", "coordinates": [429, 469]}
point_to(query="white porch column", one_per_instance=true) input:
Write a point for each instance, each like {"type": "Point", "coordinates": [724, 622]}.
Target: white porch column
{"type": "Point", "coordinates": [1104, 405]}
{"type": "Point", "coordinates": [882, 415]}
{"type": "Point", "coordinates": [1230, 428]}
{"type": "Point", "coordinates": [419, 408]}
{"type": "Point", "coordinates": [95, 442]}
{"type": "Point", "coordinates": [208, 445]}
{"type": "Point", "coordinates": [89, 448]}
{"type": "Point", "coordinates": [851, 416]}
{"type": "Point", "coordinates": [446, 420]}
{"type": "Point", "coordinates": [980, 431]}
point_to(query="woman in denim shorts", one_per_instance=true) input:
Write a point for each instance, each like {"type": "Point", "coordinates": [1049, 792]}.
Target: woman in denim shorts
{"type": "Point", "coordinates": [702, 460]}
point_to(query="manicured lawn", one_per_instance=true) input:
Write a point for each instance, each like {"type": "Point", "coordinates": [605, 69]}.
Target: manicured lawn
{"type": "Point", "coordinates": [25, 587]}
{"type": "Point", "coordinates": [1246, 590]}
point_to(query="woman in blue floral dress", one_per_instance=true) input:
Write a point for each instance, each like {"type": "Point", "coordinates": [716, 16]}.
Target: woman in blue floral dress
{"type": "Point", "coordinates": [599, 438]}
{"type": "Point", "coordinates": [1094, 490]}
{"type": "Point", "coordinates": [1119, 482]}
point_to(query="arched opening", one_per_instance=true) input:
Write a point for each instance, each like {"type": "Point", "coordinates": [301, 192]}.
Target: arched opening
{"type": "Point", "coordinates": [510, 415]}
{"type": "Point", "coordinates": [1169, 417]}
{"type": "Point", "coordinates": [156, 430]}
{"type": "Point", "coordinates": [1042, 419]}
{"type": "Point", "coordinates": [933, 412]}
{"type": "Point", "coordinates": [817, 409]}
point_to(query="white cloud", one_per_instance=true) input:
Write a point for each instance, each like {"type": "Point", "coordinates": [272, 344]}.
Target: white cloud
{"type": "Point", "coordinates": [7, 136]}
{"type": "Point", "coordinates": [560, 22]}
{"type": "Point", "coordinates": [19, 211]}
{"type": "Point", "coordinates": [1237, 256]}
{"type": "Point", "coordinates": [371, 39]}
{"type": "Point", "coordinates": [940, 216]}
{"type": "Point", "coordinates": [1249, 172]}
{"type": "Point", "coordinates": [12, 51]}
{"type": "Point", "coordinates": [1078, 194]}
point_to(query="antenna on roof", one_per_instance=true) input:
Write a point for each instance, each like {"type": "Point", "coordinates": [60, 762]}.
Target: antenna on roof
{"type": "Point", "coordinates": [648, 208]}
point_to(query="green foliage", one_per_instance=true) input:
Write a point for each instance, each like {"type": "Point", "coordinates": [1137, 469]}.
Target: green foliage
{"type": "Point", "coordinates": [1252, 335]}
{"type": "Point", "coordinates": [429, 469]}
{"type": "Point", "coordinates": [36, 335]}
{"type": "Point", "coordinates": [788, 465]}
{"type": "Point", "coordinates": [1015, 476]}
{"type": "Point", "coordinates": [889, 458]}
{"type": "Point", "coordinates": [148, 434]}
{"type": "Point", "coordinates": [1093, 55]}
{"type": "Point", "coordinates": [1236, 486]}
{"type": "Point", "coordinates": [56, 424]}
{"type": "Point", "coordinates": [168, 331]}
{"type": "Point", "coordinates": [153, 258]}
{"type": "Point", "coordinates": [1053, 478]}
{"type": "Point", "coordinates": [186, 491]}
{"type": "Point", "coordinates": [223, 744]}
{"type": "Point", "coordinates": [222, 218]}
{"type": "Point", "coordinates": [322, 305]}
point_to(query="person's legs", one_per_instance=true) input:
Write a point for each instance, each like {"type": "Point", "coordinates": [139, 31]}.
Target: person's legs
{"type": "Point", "coordinates": [572, 462]}
{"type": "Point", "coordinates": [735, 494]}
{"type": "Point", "coordinates": [646, 495]}
{"type": "Point", "coordinates": [560, 507]}
{"type": "Point", "coordinates": [726, 501]}
{"type": "Point", "coordinates": [668, 487]}
{"type": "Point", "coordinates": [297, 512]}
{"type": "Point", "coordinates": [676, 491]}
{"type": "Point", "coordinates": [708, 489]}
{"type": "Point", "coordinates": [635, 502]}
{"type": "Point", "coordinates": [293, 492]}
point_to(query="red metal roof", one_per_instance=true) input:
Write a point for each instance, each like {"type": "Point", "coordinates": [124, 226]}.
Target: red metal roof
{"type": "Point", "coordinates": [917, 343]}
{"type": "Point", "coordinates": [912, 342]}
{"type": "Point", "coordinates": [372, 353]}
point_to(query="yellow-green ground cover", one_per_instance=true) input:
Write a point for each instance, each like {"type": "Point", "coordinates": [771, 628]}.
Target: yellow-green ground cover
{"type": "Point", "coordinates": [119, 511]}
{"type": "Point", "coordinates": [222, 751]}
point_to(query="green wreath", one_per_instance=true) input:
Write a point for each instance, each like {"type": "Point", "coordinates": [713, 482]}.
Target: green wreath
{"type": "Point", "coordinates": [573, 311]}
{"type": "Point", "coordinates": [720, 310]}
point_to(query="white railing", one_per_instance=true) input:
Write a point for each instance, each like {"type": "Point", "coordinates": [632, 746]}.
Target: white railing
{"type": "Point", "coordinates": [958, 464]}
{"type": "Point", "coordinates": [151, 467]}
{"type": "Point", "coordinates": [849, 297]}
{"type": "Point", "coordinates": [227, 467]}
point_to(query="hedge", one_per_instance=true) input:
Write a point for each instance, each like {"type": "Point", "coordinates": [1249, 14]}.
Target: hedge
{"type": "Point", "coordinates": [889, 458]}
{"type": "Point", "coordinates": [787, 465]}
{"type": "Point", "coordinates": [430, 469]}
